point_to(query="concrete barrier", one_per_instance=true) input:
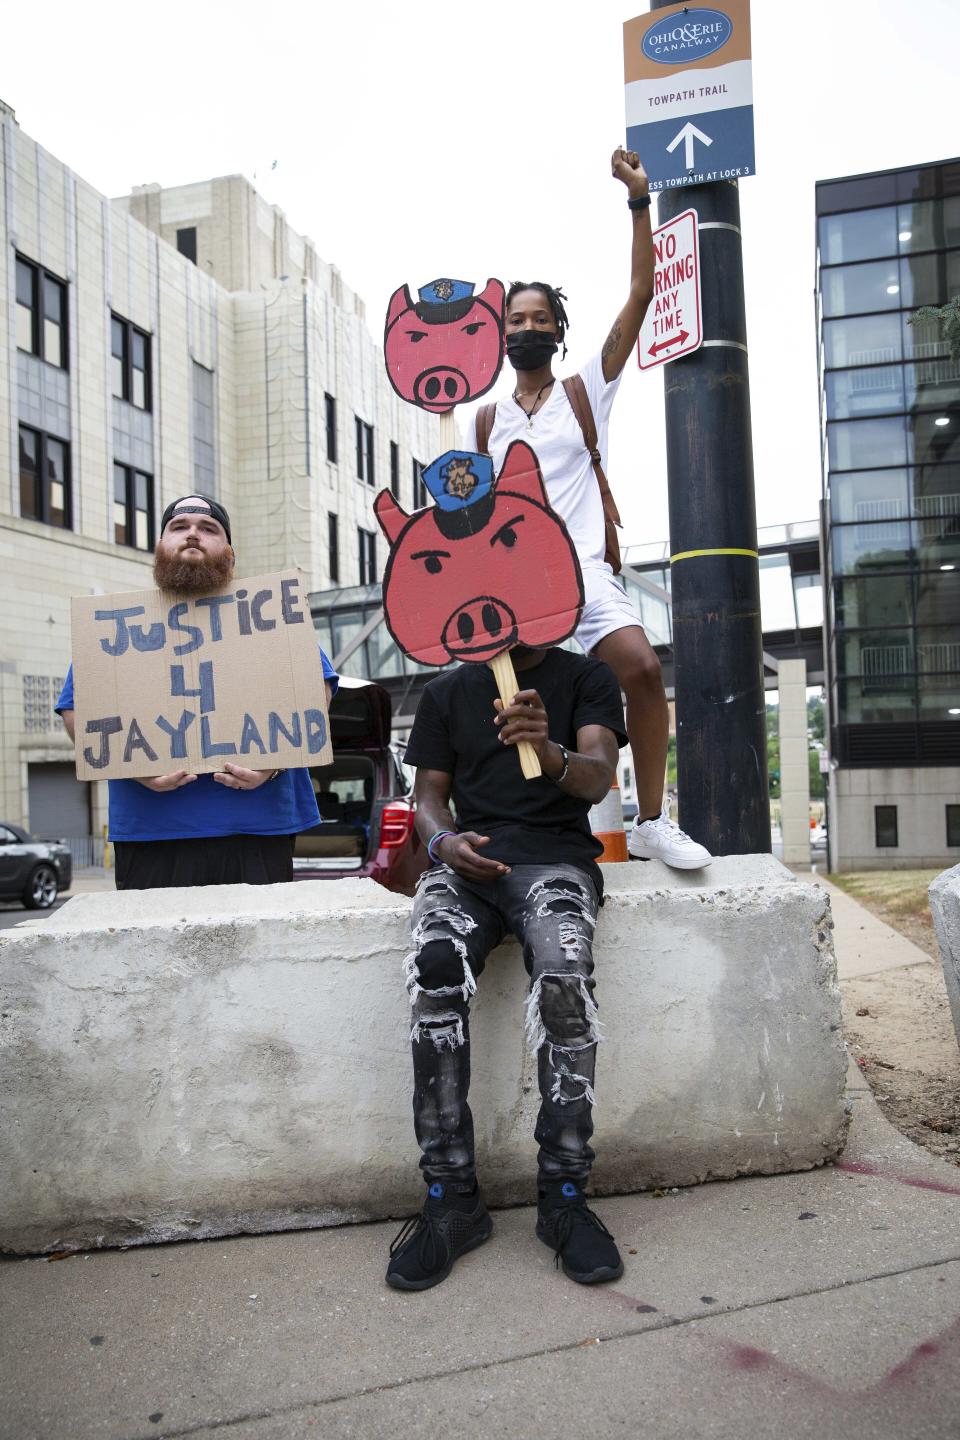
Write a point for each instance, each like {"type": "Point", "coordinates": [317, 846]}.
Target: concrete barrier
{"type": "Point", "coordinates": [944, 896]}
{"type": "Point", "coordinates": [188, 1063]}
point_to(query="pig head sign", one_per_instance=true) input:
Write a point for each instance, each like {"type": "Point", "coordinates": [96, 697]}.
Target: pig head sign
{"type": "Point", "coordinates": [447, 346]}
{"type": "Point", "coordinates": [487, 567]}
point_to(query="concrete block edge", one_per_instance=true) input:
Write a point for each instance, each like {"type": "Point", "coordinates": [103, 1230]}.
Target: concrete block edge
{"type": "Point", "coordinates": [944, 895]}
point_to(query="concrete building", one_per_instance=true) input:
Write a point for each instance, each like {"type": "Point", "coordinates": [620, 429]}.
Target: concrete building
{"type": "Point", "coordinates": [173, 339]}
{"type": "Point", "coordinates": [890, 410]}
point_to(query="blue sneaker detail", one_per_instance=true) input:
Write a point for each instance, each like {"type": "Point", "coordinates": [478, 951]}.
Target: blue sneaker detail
{"type": "Point", "coordinates": [436, 1190]}
{"type": "Point", "coordinates": [568, 1189]}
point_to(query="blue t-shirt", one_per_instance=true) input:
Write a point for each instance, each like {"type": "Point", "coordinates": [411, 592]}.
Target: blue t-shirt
{"type": "Point", "coordinates": [280, 807]}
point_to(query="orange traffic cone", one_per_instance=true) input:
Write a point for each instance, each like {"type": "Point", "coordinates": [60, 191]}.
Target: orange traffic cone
{"type": "Point", "coordinates": [606, 822]}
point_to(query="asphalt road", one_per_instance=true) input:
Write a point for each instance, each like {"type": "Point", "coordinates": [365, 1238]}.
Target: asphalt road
{"type": "Point", "coordinates": [12, 912]}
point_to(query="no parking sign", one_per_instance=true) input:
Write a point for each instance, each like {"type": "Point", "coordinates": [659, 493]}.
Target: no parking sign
{"type": "Point", "coordinates": [673, 324]}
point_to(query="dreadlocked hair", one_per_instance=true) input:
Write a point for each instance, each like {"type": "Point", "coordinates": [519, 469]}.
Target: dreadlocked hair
{"type": "Point", "coordinates": [555, 299]}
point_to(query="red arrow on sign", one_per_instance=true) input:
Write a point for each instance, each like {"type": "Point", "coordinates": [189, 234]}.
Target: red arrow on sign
{"type": "Point", "coordinates": [665, 344]}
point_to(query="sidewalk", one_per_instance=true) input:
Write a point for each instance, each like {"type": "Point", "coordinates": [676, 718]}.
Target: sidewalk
{"type": "Point", "coordinates": [89, 881]}
{"type": "Point", "coordinates": [865, 945]}
{"type": "Point", "coordinates": [822, 1305]}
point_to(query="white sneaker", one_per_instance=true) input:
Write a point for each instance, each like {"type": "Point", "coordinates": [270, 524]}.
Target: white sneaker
{"type": "Point", "coordinates": [662, 839]}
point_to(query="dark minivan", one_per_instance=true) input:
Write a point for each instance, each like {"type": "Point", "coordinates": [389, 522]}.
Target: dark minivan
{"type": "Point", "coordinates": [365, 799]}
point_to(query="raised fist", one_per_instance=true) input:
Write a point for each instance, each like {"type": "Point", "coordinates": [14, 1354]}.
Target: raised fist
{"type": "Point", "coordinates": [627, 168]}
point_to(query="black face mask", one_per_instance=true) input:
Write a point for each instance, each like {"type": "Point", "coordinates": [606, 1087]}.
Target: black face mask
{"type": "Point", "coordinates": [530, 349]}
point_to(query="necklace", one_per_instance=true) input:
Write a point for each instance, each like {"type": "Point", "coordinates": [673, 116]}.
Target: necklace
{"type": "Point", "coordinates": [530, 413]}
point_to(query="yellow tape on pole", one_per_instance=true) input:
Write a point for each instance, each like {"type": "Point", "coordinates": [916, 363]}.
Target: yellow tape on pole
{"type": "Point", "coordinates": [693, 554]}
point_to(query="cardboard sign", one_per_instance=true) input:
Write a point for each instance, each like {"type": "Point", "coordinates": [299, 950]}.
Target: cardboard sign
{"type": "Point", "coordinates": [164, 681]}
{"type": "Point", "coordinates": [447, 346]}
{"type": "Point", "coordinates": [689, 92]}
{"type": "Point", "coordinates": [488, 566]}
{"type": "Point", "coordinates": [673, 324]}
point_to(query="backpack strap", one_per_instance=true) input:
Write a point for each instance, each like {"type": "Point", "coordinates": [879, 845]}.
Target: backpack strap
{"type": "Point", "coordinates": [580, 405]}
{"type": "Point", "coordinates": [484, 424]}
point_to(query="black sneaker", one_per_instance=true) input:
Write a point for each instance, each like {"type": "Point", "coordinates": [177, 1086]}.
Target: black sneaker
{"type": "Point", "coordinates": [449, 1225]}
{"type": "Point", "coordinates": [579, 1239]}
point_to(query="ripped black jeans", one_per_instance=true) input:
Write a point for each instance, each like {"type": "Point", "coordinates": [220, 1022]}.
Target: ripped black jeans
{"type": "Point", "coordinates": [552, 910]}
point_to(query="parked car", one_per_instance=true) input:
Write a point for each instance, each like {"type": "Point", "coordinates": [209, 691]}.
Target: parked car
{"type": "Point", "coordinates": [365, 798]}
{"type": "Point", "coordinates": [33, 871]}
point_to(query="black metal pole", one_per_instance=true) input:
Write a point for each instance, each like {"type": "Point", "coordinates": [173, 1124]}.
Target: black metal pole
{"type": "Point", "coordinates": [715, 578]}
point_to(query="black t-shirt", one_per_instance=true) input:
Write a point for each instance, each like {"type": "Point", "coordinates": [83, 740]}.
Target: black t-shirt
{"type": "Point", "coordinates": [529, 822]}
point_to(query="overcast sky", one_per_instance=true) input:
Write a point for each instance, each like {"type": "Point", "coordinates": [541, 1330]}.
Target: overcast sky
{"type": "Point", "coordinates": [435, 139]}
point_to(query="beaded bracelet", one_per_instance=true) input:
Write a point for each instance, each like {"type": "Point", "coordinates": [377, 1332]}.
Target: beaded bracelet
{"type": "Point", "coordinates": [433, 840]}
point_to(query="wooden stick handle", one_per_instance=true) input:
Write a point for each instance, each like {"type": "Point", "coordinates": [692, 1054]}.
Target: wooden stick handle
{"type": "Point", "coordinates": [506, 678]}
{"type": "Point", "coordinates": [448, 432]}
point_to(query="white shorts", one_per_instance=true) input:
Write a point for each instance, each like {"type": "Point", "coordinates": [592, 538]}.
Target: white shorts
{"type": "Point", "coordinates": [605, 609]}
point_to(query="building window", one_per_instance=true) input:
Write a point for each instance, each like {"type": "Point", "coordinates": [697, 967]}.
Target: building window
{"type": "Point", "coordinates": [130, 351]}
{"type": "Point", "coordinates": [41, 314]}
{"type": "Point", "coordinates": [419, 489]}
{"type": "Point", "coordinates": [888, 399]}
{"type": "Point", "coordinates": [333, 549]}
{"type": "Point", "coordinates": [953, 825]}
{"type": "Point", "coordinates": [44, 478]}
{"type": "Point", "coordinates": [330, 412]}
{"type": "Point", "coordinates": [368, 556]}
{"type": "Point", "coordinates": [39, 697]}
{"type": "Point", "coordinates": [365, 470]}
{"type": "Point", "coordinates": [885, 826]}
{"type": "Point", "coordinates": [394, 470]}
{"type": "Point", "coordinates": [204, 430]}
{"type": "Point", "coordinates": [132, 507]}
{"type": "Point", "coordinates": [187, 242]}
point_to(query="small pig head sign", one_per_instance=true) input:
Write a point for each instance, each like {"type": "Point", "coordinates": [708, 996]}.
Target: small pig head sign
{"type": "Point", "coordinates": [447, 346]}
{"type": "Point", "coordinates": [487, 567]}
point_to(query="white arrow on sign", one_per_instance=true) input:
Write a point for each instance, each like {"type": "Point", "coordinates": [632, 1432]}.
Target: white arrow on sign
{"type": "Point", "coordinates": [688, 135]}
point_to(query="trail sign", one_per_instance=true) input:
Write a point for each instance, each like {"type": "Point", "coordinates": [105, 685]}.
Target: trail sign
{"type": "Point", "coordinates": [673, 324]}
{"type": "Point", "coordinates": [689, 93]}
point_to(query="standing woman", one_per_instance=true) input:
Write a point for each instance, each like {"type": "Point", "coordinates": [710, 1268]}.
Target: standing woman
{"type": "Point", "coordinates": [540, 412]}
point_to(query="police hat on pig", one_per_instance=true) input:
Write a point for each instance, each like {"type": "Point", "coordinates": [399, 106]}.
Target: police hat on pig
{"type": "Point", "coordinates": [461, 483]}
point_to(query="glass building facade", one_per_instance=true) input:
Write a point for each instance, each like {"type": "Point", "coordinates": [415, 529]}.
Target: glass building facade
{"type": "Point", "coordinates": [890, 428]}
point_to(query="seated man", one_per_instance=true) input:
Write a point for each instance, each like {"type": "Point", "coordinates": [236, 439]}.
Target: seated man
{"type": "Point", "coordinates": [520, 859]}
{"type": "Point", "coordinates": [236, 826]}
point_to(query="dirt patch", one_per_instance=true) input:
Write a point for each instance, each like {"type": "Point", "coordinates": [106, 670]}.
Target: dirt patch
{"type": "Point", "coordinates": [898, 1023]}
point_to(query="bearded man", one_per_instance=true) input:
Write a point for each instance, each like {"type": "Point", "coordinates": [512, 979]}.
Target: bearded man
{"type": "Point", "coordinates": [236, 826]}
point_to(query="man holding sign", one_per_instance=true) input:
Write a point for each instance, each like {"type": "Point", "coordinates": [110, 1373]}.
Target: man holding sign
{"type": "Point", "coordinates": [235, 825]}
{"type": "Point", "coordinates": [518, 859]}
{"type": "Point", "coordinates": [489, 572]}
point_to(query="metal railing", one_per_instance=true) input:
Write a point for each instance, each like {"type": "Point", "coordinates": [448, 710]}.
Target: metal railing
{"type": "Point", "coordinates": [89, 852]}
{"type": "Point", "coordinates": [940, 656]}
{"type": "Point", "coordinates": [886, 667]}
{"type": "Point", "coordinates": [939, 516]}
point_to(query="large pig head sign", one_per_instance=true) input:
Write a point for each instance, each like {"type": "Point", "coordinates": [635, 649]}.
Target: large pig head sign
{"type": "Point", "coordinates": [447, 346]}
{"type": "Point", "coordinates": [489, 566]}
